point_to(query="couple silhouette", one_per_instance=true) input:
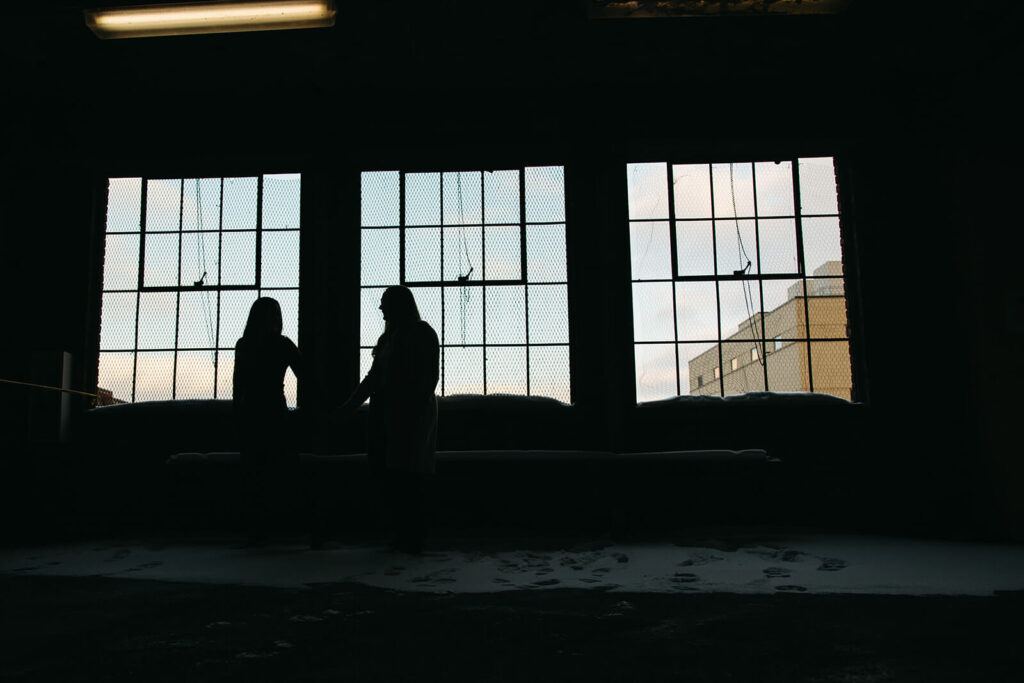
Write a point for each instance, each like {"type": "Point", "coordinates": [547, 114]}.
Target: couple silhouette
{"type": "Point", "coordinates": [402, 431]}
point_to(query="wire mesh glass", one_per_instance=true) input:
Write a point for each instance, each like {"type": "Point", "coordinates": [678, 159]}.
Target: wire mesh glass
{"type": "Point", "coordinates": [506, 370]}
{"type": "Point", "coordinates": [238, 258]}
{"type": "Point", "coordinates": [279, 261]}
{"type": "Point", "coordinates": [234, 311]}
{"type": "Point", "coordinates": [691, 184]}
{"type": "Point", "coordinates": [121, 262]}
{"type": "Point", "coordinates": [697, 363]}
{"type": "Point", "coordinates": [225, 373]}
{"type": "Point", "coordinates": [157, 317]}
{"type": "Point", "coordinates": [778, 245]}
{"type": "Point", "coordinates": [647, 188]}
{"type": "Point", "coordinates": [818, 194]}
{"type": "Point", "coordinates": [160, 263]}
{"type": "Point", "coordinates": [116, 375]}
{"type": "Point", "coordinates": [655, 371]}
{"type": "Point", "coordinates": [463, 315]}
{"type": "Point", "coordinates": [505, 314]}
{"type": "Point", "coordinates": [282, 201]}
{"type": "Point", "coordinates": [239, 208]}
{"type": "Point", "coordinates": [200, 204]}
{"type": "Point", "coordinates": [787, 367]}
{"type": "Point", "coordinates": [501, 197]}
{"type": "Point", "coordinates": [652, 311]}
{"type": "Point", "coordinates": [650, 251]}
{"type": "Point", "coordinates": [696, 311]}
{"type": "Point", "coordinates": [549, 372]}
{"type": "Point", "coordinates": [463, 253]}
{"type": "Point", "coordinates": [422, 255]}
{"type": "Point", "coordinates": [545, 253]}
{"type": "Point", "coordinates": [117, 324]}
{"type": "Point", "coordinates": [741, 374]}
{"type": "Point", "coordinates": [830, 362]}
{"type": "Point", "coordinates": [548, 309]}
{"type": "Point", "coordinates": [774, 185]}
{"type": "Point", "coordinates": [197, 320]}
{"type": "Point", "coordinates": [154, 376]}
{"type": "Point", "coordinates": [733, 189]}
{"type": "Point", "coordinates": [163, 205]}
{"type": "Point", "coordinates": [194, 375]}
{"type": "Point", "coordinates": [822, 244]}
{"type": "Point", "coordinates": [380, 257]}
{"type": "Point", "coordinates": [503, 252]}
{"type": "Point", "coordinates": [545, 194]}
{"type": "Point", "coordinates": [736, 247]}
{"type": "Point", "coordinates": [422, 199]}
{"type": "Point", "coordinates": [200, 259]}
{"type": "Point", "coordinates": [124, 205]}
{"type": "Point", "coordinates": [380, 203]}
{"type": "Point", "coordinates": [826, 314]}
{"type": "Point", "coordinates": [695, 249]}
{"type": "Point", "coordinates": [463, 202]}
{"type": "Point", "coordinates": [463, 369]}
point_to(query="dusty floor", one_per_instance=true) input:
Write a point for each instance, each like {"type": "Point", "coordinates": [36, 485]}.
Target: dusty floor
{"type": "Point", "coordinates": [90, 627]}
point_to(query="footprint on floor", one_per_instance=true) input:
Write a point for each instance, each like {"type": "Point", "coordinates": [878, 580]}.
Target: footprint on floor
{"type": "Point", "coordinates": [684, 577]}
{"type": "Point", "coordinates": [589, 580]}
{"type": "Point", "coordinates": [620, 557]}
{"type": "Point", "coordinates": [601, 570]}
{"type": "Point", "coordinates": [791, 589]}
{"type": "Point", "coordinates": [776, 573]}
{"type": "Point", "coordinates": [500, 580]}
{"type": "Point", "coordinates": [831, 564]}
{"type": "Point", "coordinates": [547, 582]}
{"type": "Point", "coordinates": [145, 565]}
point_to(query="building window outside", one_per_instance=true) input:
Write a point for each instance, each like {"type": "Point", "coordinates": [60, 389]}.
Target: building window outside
{"type": "Point", "coordinates": [184, 258]}
{"type": "Point", "coordinates": [484, 254]}
{"type": "Point", "coordinates": [727, 254]}
{"type": "Point", "coordinates": [735, 364]}
{"type": "Point", "coordinates": [753, 355]}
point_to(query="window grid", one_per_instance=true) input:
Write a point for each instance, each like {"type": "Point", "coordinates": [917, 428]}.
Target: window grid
{"type": "Point", "coordinates": [219, 346]}
{"type": "Point", "coordinates": [800, 275]}
{"type": "Point", "coordinates": [483, 282]}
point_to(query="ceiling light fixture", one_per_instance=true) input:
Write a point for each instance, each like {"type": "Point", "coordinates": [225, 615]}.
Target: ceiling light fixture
{"type": "Point", "coordinates": [174, 19]}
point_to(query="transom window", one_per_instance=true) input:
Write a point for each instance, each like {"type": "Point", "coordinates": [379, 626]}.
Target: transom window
{"type": "Point", "coordinates": [184, 260]}
{"type": "Point", "coordinates": [726, 256]}
{"type": "Point", "coordinates": [484, 254]}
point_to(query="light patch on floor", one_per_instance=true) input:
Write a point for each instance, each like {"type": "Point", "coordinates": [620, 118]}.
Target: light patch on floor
{"type": "Point", "coordinates": [806, 564]}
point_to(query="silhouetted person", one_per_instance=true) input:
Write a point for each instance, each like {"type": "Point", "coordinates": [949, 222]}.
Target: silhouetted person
{"type": "Point", "coordinates": [403, 414]}
{"type": "Point", "coordinates": [262, 356]}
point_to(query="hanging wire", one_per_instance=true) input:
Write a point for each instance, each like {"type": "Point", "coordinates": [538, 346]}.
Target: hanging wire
{"type": "Point", "coordinates": [201, 253]}
{"type": "Point", "coordinates": [744, 266]}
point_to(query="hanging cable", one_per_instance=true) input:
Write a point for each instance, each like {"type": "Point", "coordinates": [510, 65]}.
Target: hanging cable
{"type": "Point", "coordinates": [744, 266]}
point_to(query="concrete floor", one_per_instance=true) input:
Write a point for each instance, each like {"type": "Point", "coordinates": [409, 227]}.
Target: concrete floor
{"type": "Point", "coordinates": [208, 611]}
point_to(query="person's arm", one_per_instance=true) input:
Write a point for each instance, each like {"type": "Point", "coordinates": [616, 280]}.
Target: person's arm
{"type": "Point", "coordinates": [361, 392]}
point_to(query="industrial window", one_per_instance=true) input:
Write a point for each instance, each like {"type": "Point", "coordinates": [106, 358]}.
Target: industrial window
{"type": "Point", "coordinates": [184, 260]}
{"type": "Point", "coordinates": [484, 254]}
{"type": "Point", "coordinates": [726, 256]}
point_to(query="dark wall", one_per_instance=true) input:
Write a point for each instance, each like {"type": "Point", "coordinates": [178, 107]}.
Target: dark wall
{"type": "Point", "coordinates": [910, 105]}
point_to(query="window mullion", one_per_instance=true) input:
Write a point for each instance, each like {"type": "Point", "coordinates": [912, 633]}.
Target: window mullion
{"type": "Point", "coordinates": [675, 271]}
{"type": "Point", "coordinates": [803, 270]}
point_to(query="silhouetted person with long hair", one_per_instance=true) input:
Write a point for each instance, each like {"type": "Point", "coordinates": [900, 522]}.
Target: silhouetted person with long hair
{"type": "Point", "coordinates": [262, 356]}
{"type": "Point", "coordinates": [403, 414]}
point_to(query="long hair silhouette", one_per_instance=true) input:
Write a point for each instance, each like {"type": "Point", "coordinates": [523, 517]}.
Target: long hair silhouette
{"type": "Point", "coordinates": [264, 320]}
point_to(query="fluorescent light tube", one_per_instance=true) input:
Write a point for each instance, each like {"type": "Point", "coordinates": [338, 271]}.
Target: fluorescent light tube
{"type": "Point", "coordinates": [208, 17]}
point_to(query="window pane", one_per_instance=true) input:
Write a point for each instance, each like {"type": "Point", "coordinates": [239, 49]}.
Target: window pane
{"type": "Point", "coordinates": [121, 262]}
{"type": "Point", "coordinates": [826, 314]}
{"type": "Point", "coordinates": [695, 250]}
{"type": "Point", "coordinates": [506, 370]}
{"type": "Point", "coordinates": [647, 185]}
{"type": "Point", "coordinates": [197, 320]}
{"type": "Point", "coordinates": [280, 261]}
{"type": "Point", "coordinates": [692, 185]}
{"type": "Point", "coordinates": [463, 315]}
{"type": "Point", "coordinates": [234, 311]}
{"type": "Point", "coordinates": [778, 245]}
{"type": "Point", "coordinates": [463, 370]}
{"type": "Point", "coordinates": [655, 371]}
{"type": "Point", "coordinates": [697, 363]}
{"type": "Point", "coordinates": [380, 198]}
{"type": "Point", "coordinates": [822, 245]}
{"type": "Point", "coordinates": [549, 372]}
{"type": "Point", "coordinates": [240, 203]}
{"type": "Point", "coordinates": [463, 249]}
{"type": "Point", "coordinates": [422, 198]}
{"type": "Point", "coordinates": [423, 254]}
{"type": "Point", "coordinates": [818, 186]}
{"type": "Point", "coordinates": [830, 362]}
{"type": "Point", "coordinates": [506, 315]}
{"type": "Point", "coordinates": [784, 313]}
{"type": "Point", "coordinates": [774, 188]}
{"type": "Point", "coordinates": [748, 376]}
{"type": "Point", "coordinates": [154, 376]}
{"type": "Point", "coordinates": [787, 367]}
{"type": "Point", "coordinates": [736, 242]}
{"type": "Point", "coordinates": [117, 325]}
{"type": "Point", "coordinates": [200, 258]}
{"type": "Point", "coordinates": [157, 312]}
{"type": "Point", "coordinates": [501, 197]}
{"type": "Point", "coordinates": [289, 301]}
{"type": "Point", "coordinates": [652, 311]}
{"type": "Point", "coordinates": [282, 201]}
{"type": "Point", "coordinates": [740, 308]}
{"type": "Point", "coordinates": [124, 204]}
{"type": "Point", "coordinates": [371, 322]}
{"type": "Point", "coordinates": [545, 253]}
{"type": "Point", "coordinates": [163, 205]}
{"type": "Point", "coordinates": [503, 246]}
{"type": "Point", "coordinates": [733, 189]}
{"type": "Point", "coordinates": [194, 375]}
{"type": "Point", "coordinates": [549, 314]}
{"type": "Point", "coordinates": [225, 374]}
{"type": "Point", "coordinates": [238, 258]}
{"type": "Point", "coordinates": [365, 362]}
{"type": "Point", "coordinates": [545, 194]}
{"type": "Point", "coordinates": [380, 257]}
{"type": "Point", "coordinates": [161, 261]}
{"type": "Point", "coordinates": [115, 375]}
{"type": "Point", "coordinates": [462, 199]}
{"type": "Point", "coordinates": [291, 389]}
{"type": "Point", "coordinates": [697, 311]}
{"type": "Point", "coordinates": [200, 204]}
{"type": "Point", "coordinates": [649, 249]}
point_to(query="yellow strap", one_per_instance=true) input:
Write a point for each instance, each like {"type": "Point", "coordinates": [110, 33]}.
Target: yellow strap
{"type": "Point", "coordinates": [43, 386]}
